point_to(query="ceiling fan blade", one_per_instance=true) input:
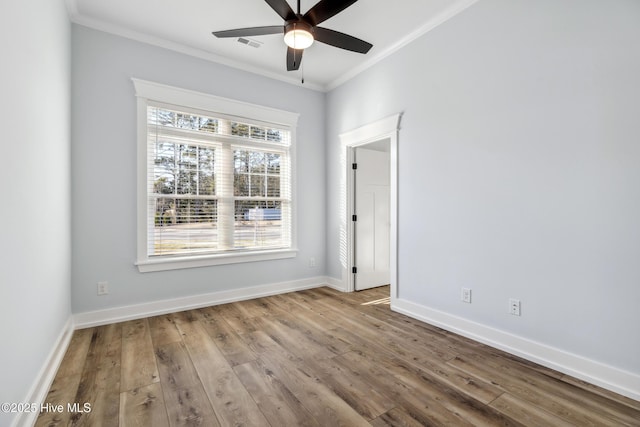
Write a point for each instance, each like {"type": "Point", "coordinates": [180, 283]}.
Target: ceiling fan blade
{"type": "Point", "coordinates": [325, 9]}
{"type": "Point", "coordinates": [282, 8]}
{"type": "Point", "coordinates": [341, 40]}
{"type": "Point", "coordinates": [294, 58]}
{"type": "Point", "coordinates": [252, 31]}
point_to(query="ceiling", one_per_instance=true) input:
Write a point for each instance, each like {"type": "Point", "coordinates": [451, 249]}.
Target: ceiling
{"type": "Point", "coordinates": [186, 26]}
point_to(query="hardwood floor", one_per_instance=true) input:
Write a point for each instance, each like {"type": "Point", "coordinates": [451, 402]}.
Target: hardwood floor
{"type": "Point", "coordinates": [311, 358]}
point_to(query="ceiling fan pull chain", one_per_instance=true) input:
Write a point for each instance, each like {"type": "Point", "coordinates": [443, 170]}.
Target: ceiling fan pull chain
{"type": "Point", "coordinates": [295, 52]}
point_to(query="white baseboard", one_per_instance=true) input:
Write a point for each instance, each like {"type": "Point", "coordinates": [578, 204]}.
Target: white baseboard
{"type": "Point", "coordinates": [138, 311]}
{"type": "Point", "coordinates": [45, 377]}
{"type": "Point", "coordinates": [611, 378]}
{"type": "Point", "coordinates": [40, 388]}
{"type": "Point", "coordinates": [336, 284]}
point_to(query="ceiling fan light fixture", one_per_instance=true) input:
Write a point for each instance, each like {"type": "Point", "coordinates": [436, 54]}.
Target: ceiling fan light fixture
{"type": "Point", "coordinates": [298, 37]}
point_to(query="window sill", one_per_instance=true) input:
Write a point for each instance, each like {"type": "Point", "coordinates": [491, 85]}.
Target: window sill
{"type": "Point", "coordinates": [176, 263]}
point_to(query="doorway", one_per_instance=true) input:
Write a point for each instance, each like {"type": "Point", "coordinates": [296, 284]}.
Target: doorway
{"type": "Point", "coordinates": [382, 137]}
{"type": "Point", "coordinates": [371, 205]}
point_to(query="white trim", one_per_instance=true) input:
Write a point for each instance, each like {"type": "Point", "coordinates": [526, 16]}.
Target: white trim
{"type": "Point", "coordinates": [130, 34]}
{"type": "Point", "coordinates": [212, 103]}
{"type": "Point", "coordinates": [141, 184]}
{"type": "Point", "coordinates": [139, 311]}
{"type": "Point", "coordinates": [177, 263]}
{"type": "Point", "coordinates": [76, 17]}
{"type": "Point", "coordinates": [336, 284]}
{"type": "Point", "coordinates": [372, 132]}
{"type": "Point", "coordinates": [151, 92]}
{"type": "Point", "coordinates": [38, 392]}
{"type": "Point", "coordinates": [439, 19]}
{"type": "Point", "coordinates": [386, 128]}
{"type": "Point", "coordinates": [609, 377]}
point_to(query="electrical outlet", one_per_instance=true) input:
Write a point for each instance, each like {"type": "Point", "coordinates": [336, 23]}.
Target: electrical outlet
{"type": "Point", "coordinates": [312, 262]}
{"type": "Point", "coordinates": [514, 306]}
{"type": "Point", "coordinates": [103, 288]}
{"type": "Point", "coordinates": [466, 295]}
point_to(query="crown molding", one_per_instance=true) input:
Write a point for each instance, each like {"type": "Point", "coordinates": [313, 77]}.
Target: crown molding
{"type": "Point", "coordinates": [428, 26]}
{"type": "Point", "coordinates": [76, 17]}
{"type": "Point", "coordinates": [117, 30]}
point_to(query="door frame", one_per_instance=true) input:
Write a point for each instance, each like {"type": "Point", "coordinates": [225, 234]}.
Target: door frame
{"type": "Point", "coordinates": [383, 129]}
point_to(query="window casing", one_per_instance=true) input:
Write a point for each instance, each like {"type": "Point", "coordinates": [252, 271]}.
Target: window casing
{"type": "Point", "coordinates": [215, 180]}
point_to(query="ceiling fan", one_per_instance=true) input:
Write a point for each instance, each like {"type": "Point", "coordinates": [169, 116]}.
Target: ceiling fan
{"type": "Point", "coordinates": [301, 30]}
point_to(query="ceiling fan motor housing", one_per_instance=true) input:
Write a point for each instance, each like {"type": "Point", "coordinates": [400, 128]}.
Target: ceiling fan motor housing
{"type": "Point", "coordinates": [298, 24]}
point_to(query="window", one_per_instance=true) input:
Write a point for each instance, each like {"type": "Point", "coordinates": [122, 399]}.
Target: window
{"type": "Point", "coordinates": [215, 180]}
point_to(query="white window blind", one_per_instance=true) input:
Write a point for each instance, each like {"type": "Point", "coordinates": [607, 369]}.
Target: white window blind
{"type": "Point", "coordinates": [216, 179]}
{"type": "Point", "coordinates": [215, 183]}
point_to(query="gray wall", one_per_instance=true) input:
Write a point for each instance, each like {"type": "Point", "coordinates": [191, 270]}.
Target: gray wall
{"type": "Point", "coordinates": [104, 171]}
{"type": "Point", "coordinates": [35, 218]}
{"type": "Point", "coordinates": [519, 170]}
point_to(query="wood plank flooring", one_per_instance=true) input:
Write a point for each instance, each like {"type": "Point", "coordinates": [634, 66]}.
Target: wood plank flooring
{"type": "Point", "coordinates": [312, 358]}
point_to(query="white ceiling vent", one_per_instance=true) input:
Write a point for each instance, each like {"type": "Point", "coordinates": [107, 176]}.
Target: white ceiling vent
{"type": "Point", "coordinates": [249, 42]}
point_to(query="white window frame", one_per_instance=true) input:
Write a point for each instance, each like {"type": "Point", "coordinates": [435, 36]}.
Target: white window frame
{"type": "Point", "coordinates": [155, 92]}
